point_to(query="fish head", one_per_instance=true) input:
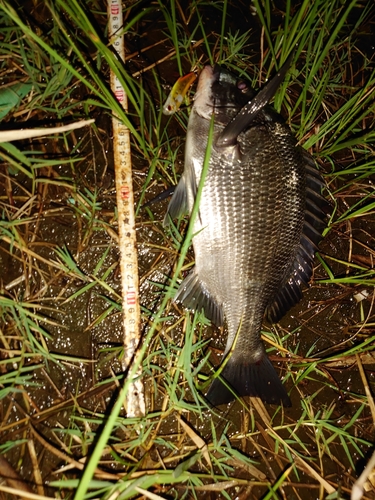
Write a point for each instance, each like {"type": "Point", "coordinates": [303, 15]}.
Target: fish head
{"type": "Point", "coordinates": [221, 93]}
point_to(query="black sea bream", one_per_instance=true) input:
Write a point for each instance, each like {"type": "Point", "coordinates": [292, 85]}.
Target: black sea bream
{"type": "Point", "coordinates": [261, 216]}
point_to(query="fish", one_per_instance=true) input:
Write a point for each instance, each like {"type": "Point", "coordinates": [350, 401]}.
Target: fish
{"type": "Point", "coordinates": [260, 219]}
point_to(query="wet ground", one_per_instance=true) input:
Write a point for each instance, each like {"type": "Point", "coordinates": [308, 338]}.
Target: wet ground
{"type": "Point", "coordinates": [83, 331]}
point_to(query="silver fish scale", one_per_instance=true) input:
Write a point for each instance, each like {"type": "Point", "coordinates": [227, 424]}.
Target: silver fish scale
{"type": "Point", "coordinates": [249, 226]}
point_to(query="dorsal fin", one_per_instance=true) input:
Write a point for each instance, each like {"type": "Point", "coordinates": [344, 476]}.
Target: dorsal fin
{"type": "Point", "coordinates": [301, 269]}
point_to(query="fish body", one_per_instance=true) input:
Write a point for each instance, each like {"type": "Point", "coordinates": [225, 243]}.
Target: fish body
{"type": "Point", "coordinates": [260, 219]}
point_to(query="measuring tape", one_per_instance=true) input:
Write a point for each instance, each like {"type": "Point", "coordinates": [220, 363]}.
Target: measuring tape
{"type": "Point", "coordinates": [135, 404]}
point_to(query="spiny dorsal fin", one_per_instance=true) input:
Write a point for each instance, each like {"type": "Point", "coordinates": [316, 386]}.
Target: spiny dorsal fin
{"type": "Point", "coordinates": [301, 269]}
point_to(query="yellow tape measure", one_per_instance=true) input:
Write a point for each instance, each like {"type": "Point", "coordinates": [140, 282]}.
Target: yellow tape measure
{"type": "Point", "coordinates": [135, 405]}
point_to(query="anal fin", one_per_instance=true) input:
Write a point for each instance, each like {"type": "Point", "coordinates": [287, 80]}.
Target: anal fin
{"type": "Point", "coordinates": [193, 294]}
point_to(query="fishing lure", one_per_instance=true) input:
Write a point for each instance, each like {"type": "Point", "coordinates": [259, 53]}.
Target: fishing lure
{"type": "Point", "coordinates": [178, 93]}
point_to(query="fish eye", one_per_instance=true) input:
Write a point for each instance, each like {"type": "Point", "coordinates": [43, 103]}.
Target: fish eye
{"type": "Point", "coordinates": [241, 85]}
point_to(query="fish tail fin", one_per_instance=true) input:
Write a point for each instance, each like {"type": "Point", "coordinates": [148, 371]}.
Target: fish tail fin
{"type": "Point", "coordinates": [248, 378]}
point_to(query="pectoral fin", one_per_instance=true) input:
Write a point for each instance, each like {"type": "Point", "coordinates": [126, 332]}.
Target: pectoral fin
{"type": "Point", "coordinates": [247, 114]}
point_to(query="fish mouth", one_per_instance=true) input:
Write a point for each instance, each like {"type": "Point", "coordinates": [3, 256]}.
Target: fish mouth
{"type": "Point", "coordinates": [206, 78]}
{"type": "Point", "coordinates": [204, 99]}
{"type": "Point", "coordinates": [213, 83]}
{"type": "Point", "coordinates": [220, 93]}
